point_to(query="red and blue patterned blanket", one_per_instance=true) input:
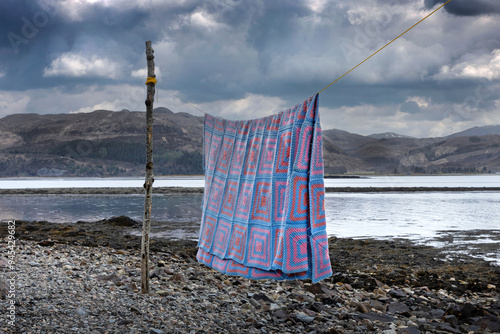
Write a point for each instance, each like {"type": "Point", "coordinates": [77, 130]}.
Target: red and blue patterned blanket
{"type": "Point", "coordinates": [263, 206]}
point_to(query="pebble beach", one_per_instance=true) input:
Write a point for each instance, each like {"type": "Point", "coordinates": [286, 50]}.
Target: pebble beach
{"type": "Point", "coordinates": [67, 283]}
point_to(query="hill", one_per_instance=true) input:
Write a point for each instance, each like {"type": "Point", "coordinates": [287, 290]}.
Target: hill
{"type": "Point", "coordinates": [478, 131]}
{"type": "Point", "coordinates": [100, 143]}
{"type": "Point", "coordinates": [457, 153]}
{"type": "Point", "coordinates": [388, 135]}
{"type": "Point", "coordinates": [107, 143]}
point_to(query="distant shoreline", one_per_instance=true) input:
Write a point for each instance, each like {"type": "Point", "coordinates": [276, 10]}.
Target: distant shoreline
{"type": "Point", "coordinates": [198, 190]}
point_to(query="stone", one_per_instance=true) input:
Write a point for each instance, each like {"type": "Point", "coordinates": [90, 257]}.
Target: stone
{"type": "Point", "coordinates": [178, 277]}
{"type": "Point", "coordinates": [111, 277]}
{"type": "Point", "coordinates": [448, 328]}
{"type": "Point", "coordinates": [77, 280]}
{"type": "Point", "coordinates": [361, 307]}
{"type": "Point", "coordinates": [389, 331]}
{"type": "Point", "coordinates": [163, 293]}
{"type": "Point", "coordinates": [435, 314]}
{"type": "Point", "coordinates": [156, 272]}
{"type": "Point", "coordinates": [410, 330]}
{"type": "Point", "coordinates": [81, 312]}
{"type": "Point", "coordinates": [304, 317]}
{"type": "Point", "coordinates": [451, 319]}
{"type": "Point", "coordinates": [132, 286]}
{"type": "Point", "coordinates": [274, 307]}
{"type": "Point", "coordinates": [46, 243]}
{"type": "Point", "coordinates": [331, 300]}
{"type": "Point", "coordinates": [261, 296]}
{"type": "Point", "coordinates": [3, 262]}
{"type": "Point", "coordinates": [469, 310]}
{"type": "Point", "coordinates": [375, 304]}
{"type": "Point", "coordinates": [397, 293]}
{"type": "Point", "coordinates": [123, 221]}
{"type": "Point", "coordinates": [372, 316]}
{"type": "Point", "coordinates": [319, 289]}
{"type": "Point", "coordinates": [156, 331]}
{"type": "Point", "coordinates": [398, 308]}
{"type": "Point", "coordinates": [302, 297]}
{"type": "Point", "coordinates": [491, 322]}
{"type": "Point", "coordinates": [280, 314]}
{"type": "Point", "coordinates": [379, 292]}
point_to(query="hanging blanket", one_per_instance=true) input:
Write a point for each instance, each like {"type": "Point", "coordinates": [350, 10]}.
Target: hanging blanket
{"type": "Point", "coordinates": [263, 207]}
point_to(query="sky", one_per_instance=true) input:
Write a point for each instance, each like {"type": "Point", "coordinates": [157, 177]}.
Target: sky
{"type": "Point", "coordinates": [245, 59]}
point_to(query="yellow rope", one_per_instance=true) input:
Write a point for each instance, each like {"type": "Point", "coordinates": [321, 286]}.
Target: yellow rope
{"type": "Point", "coordinates": [346, 73]}
{"type": "Point", "coordinates": [151, 80]}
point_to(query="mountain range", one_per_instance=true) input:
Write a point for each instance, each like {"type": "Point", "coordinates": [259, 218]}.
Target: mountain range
{"type": "Point", "coordinates": [107, 143]}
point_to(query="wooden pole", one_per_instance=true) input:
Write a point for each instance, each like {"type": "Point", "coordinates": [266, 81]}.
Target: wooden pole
{"type": "Point", "coordinates": [148, 184]}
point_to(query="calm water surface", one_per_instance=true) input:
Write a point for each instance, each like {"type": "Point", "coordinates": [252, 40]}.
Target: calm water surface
{"type": "Point", "coordinates": [198, 181]}
{"type": "Point", "coordinates": [460, 221]}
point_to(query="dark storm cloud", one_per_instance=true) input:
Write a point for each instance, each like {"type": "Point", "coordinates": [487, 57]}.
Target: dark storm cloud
{"type": "Point", "coordinates": [263, 27]}
{"type": "Point", "coordinates": [467, 7]}
{"type": "Point", "coordinates": [410, 107]}
{"type": "Point", "coordinates": [34, 36]}
{"type": "Point", "coordinates": [241, 54]}
{"type": "Point", "coordinates": [215, 51]}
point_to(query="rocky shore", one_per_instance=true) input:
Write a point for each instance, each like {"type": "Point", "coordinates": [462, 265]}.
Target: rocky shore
{"type": "Point", "coordinates": [85, 278]}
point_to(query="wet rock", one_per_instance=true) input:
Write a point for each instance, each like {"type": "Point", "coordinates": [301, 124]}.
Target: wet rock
{"type": "Point", "coordinates": [46, 243]}
{"type": "Point", "coordinates": [123, 221]}
{"type": "Point", "coordinates": [490, 322]}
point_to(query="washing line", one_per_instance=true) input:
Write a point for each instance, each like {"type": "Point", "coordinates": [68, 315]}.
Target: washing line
{"type": "Point", "coordinates": [373, 54]}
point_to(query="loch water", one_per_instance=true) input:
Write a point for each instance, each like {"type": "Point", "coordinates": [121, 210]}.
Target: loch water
{"type": "Point", "coordinates": [464, 221]}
